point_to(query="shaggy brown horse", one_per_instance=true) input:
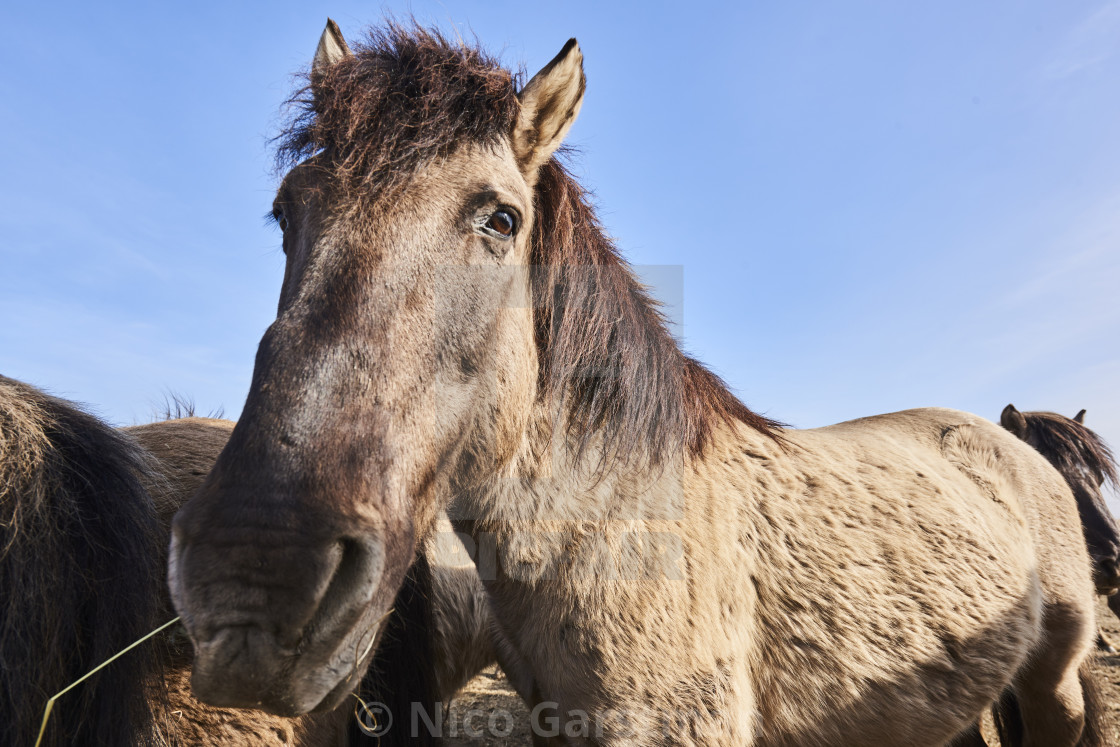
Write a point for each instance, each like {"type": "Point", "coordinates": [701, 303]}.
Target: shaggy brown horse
{"type": "Point", "coordinates": [85, 512]}
{"type": "Point", "coordinates": [1087, 463]}
{"type": "Point", "coordinates": [669, 567]}
{"type": "Point", "coordinates": [80, 542]}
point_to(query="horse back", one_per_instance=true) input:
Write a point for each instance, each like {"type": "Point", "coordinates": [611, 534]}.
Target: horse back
{"type": "Point", "coordinates": [1011, 483]}
{"type": "Point", "coordinates": [186, 449]}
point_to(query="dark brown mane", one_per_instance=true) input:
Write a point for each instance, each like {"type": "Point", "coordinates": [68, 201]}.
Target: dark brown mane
{"type": "Point", "coordinates": [604, 346]}
{"type": "Point", "coordinates": [408, 95]}
{"type": "Point", "coordinates": [80, 570]}
{"type": "Point", "coordinates": [1070, 446]}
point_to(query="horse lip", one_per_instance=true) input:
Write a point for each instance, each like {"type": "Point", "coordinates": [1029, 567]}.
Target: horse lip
{"type": "Point", "coordinates": [335, 697]}
{"type": "Point", "coordinates": [236, 667]}
{"type": "Point", "coordinates": [311, 692]}
{"type": "Point", "coordinates": [242, 667]}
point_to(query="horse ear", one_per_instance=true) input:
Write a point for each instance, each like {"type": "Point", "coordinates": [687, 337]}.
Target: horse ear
{"type": "Point", "coordinates": [1013, 420]}
{"type": "Point", "coordinates": [549, 105]}
{"type": "Point", "coordinates": [332, 48]}
{"type": "Point", "coordinates": [1080, 417]}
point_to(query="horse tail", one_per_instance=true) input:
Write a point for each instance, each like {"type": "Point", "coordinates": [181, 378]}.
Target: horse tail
{"type": "Point", "coordinates": [1008, 715]}
{"type": "Point", "coordinates": [78, 568]}
{"type": "Point", "coordinates": [402, 675]}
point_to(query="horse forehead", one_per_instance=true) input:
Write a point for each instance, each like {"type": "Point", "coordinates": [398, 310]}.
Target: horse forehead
{"type": "Point", "coordinates": [473, 167]}
{"type": "Point", "coordinates": [407, 244]}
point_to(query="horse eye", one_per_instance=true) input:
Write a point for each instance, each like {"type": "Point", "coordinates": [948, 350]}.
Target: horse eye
{"type": "Point", "coordinates": [502, 223]}
{"type": "Point", "coordinates": [281, 219]}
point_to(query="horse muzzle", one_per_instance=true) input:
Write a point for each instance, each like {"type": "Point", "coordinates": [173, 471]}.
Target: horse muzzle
{"type": "Point", "coordinates": [287, 626]}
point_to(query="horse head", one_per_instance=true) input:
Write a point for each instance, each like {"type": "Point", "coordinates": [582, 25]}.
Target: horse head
{"type": "Point", "coordinates": [401, 363]}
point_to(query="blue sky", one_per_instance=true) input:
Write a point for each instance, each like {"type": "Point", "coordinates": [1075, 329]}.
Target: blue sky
{"type": "Point", "coordinates": [864, 206]}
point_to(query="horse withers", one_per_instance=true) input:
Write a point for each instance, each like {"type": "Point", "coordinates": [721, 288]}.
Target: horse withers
{"type": "Point", "coordinates": [670, 567]}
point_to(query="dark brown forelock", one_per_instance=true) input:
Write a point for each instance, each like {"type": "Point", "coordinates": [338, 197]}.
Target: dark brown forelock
{"type": "Point", "coordinates": [604, 347]}
{"type": "Point", "coordinates": [405, 96]}
{"type": "Point", "coordinates": [408, 95]}
{"type": "Point", "coordinates": [1070, 446]}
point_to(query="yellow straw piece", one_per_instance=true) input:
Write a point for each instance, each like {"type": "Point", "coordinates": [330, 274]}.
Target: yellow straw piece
{"type": "Point", "coordinates": [90, 673]}
{"type": "Point", "coordinates": [372, 717]}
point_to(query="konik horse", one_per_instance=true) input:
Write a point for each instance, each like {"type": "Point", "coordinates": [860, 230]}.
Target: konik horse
{"type": "Point", "coordinates": [670, 567]}
{"type": "Point", "coordinates": [1087, 463]}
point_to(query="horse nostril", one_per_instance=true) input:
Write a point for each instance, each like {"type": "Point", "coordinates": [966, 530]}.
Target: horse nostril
{"type": "Point", "coordinates": [355, 579]}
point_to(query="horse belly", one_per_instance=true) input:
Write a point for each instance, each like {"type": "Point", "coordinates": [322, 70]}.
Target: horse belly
{"type": "Point", "coordinates": [892, 615]}
{"type": "Point", "coordinates": [902, 681]}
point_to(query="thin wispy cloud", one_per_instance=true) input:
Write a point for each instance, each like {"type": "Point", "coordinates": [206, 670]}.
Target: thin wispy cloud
{"type": "Point", "coordinates": [1088, 44]}
{"type": "Point", "coordinates": [1065, 299]}
{"type": "Point", "coordinates": [1086, 255]}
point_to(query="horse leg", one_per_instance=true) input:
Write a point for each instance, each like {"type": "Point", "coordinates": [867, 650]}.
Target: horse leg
{"type": "Point", "coordinates": [519, 675]}
{"type": "Point", "coordinates": [542, 731]}
{"type": "Point", "coordinates": [1053, 713]}
{"type": "Point", "coordinates": [1052, 703]}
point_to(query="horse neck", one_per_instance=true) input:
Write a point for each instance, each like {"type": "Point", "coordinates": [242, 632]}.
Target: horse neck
{"type": "Point", "coordinates": [549, 483]}
{"type": "Point", "coordinates": [1091, 504]}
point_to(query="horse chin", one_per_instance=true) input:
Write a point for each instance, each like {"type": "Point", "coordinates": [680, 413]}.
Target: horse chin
{"type": "Point", "coordinates": [241, 667]}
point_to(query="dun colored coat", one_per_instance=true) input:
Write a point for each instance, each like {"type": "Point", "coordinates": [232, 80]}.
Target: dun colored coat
{"type": "Point", "coordinates": [670, 568]}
